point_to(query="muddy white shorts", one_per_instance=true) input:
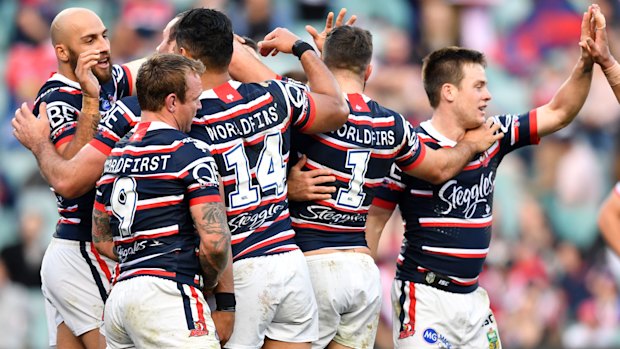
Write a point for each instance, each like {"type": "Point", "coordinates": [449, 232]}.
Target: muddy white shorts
{"type": "Point", "coordinates": [275, 300]}
{"type": "Point", "coordinates": [75, 283]}
{"type": "Point", "coordinates": [152, 312]}
{"type": "Point", "coordinates": [426, 317]}
{"type": "Point", "coordinates": [347, 287]}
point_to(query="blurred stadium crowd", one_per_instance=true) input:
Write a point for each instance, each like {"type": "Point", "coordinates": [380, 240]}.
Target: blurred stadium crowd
{"type": "Point", "coordinates": [551, 280]}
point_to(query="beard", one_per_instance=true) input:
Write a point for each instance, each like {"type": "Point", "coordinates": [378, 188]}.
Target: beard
{"type": "Point", "coordinates": [102, 75]}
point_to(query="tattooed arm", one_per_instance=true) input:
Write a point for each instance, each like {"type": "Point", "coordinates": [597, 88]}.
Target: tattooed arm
{"type": "Point", "coordinates": [102, 234]}
{"type": "Point", "coordinates": [214, 250]}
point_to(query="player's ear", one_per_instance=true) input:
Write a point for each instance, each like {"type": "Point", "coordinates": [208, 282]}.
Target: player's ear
{"type": "Point", "coordinates": [62, 52]}
{"type": "Point", "coordinates": [367, 72]}
{"type": "Point", "coordinates": [448, 92]}
{"type": "Point", "coordinates": [171, 101]}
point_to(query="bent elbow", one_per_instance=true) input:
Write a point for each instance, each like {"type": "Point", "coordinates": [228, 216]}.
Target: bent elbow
{"type": "Point", "coordinates": [66, 189]}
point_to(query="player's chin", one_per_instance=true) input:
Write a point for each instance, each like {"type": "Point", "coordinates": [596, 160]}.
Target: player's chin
{"type": "Point", "coordinates": [103, 74]}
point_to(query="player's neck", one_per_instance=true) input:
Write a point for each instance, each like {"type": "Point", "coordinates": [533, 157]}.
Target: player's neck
{"type": "Point", "coordinates": [167, 118]}
{"type": "Point", "coordinates": [348, 82]}
{"type": "Point", "coordinates": [447, 125]}
{"type": "Point", "coordinates": [211, 80]}
{"type": "Point", "coordinates": [66, 71]}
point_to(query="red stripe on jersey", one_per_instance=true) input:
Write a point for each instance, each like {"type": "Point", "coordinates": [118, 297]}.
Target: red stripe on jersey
{"type": "Point", "coordinates": [150, 236]}
{"type": "Point", "coordinates": [417, 161]}
{"type": "Point", "coordinates": [169, 274]}
{"type": "Point", "coordinates": [67, 210]}
{"type": "Point", "coordinates": [263, 244]}
{"type": "Point", "coordinates": [459, 255]}
{"type": "Point", "coordinates": [63, 141]}
{"type": "Point", "coordinates": [284, 249]}
{"type": "Point", "coordinates": [383, 203]}
{"type": "Point", "coordinates": [199, 306]}
{"type": "Point", "coordinates": [534, 138]}
{"type": "Point", "coordinates": [235, 241]}
{"type": "Point", "coordinates": [457, 225]}
{"type": "Point", "coordinates": [426, 139]}
{"type": "Point", "coordinates": [129, 79]}
{"type": "Point", "coordinates": [99, 206]}
{"type": "Point", "coordinates": [333, 206]}
{"type": "Point", "coordinates": [251, 208]}
{"type": "Point", "coordinates": [146, 152]}
{"type": "Point", "coordinates": [482, 162]}
{"type": "Point", "coordinates": [203, 199]}
{"type": "Point", "coordinates": [130, 121]}
{"type": "Point", "coordinates": [358, 105]}
{"type": "Point", "coordinates": [63, 220]}
{"type": "Point", "coordinates": [310, 114]}
{"type": "Point", "coordinates": [345, 148]}
{"type": "Point", "coordinates": [211, 120]}
{"type": "Point", "coordinates": [326, 228]}
{"type": "Point", "coordinates": [140, 132]}
{"type": "Point", "coordinates": [102, 147]}
{"type": "Point", "coordinates": [70, 91]}
{"type": "Point", "coordinates": [227, 94]}
{"type": "Point", "coordinates": [102, 264]}
{"type": "Point", "coordinates": [158, 204]}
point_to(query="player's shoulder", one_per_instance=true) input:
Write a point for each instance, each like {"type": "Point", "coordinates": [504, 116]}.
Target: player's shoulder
{"type": "Point", "coordinates": [130, 103]}
{"type": "Point", "coordinates": [60, 88]}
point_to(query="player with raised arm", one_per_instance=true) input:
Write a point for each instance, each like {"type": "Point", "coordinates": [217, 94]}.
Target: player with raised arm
{"type": "Point", "coordinates": [436, 299]}
{"type": "Point", "coordinates": [330, 231]}
{"type": "Point", "coordinates": [248, 127]}
{"type": "Point", "coordinates": [159, 213]}
{"type": "Point", "coordinates": [85, 85]}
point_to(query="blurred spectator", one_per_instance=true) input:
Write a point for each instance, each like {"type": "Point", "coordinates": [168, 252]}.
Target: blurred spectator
{"type": "Point", "coordinates": [14, 312]}
{"type": "Point", "coordinates": [23, 259]}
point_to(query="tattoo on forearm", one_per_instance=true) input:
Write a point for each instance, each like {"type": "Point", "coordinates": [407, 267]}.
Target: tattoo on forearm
{"type": "Point", "coordinates": [101, 227]}
{"type": "Point", "coordinates": [215, 245]}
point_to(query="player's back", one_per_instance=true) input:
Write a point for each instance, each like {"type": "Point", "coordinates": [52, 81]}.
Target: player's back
{"type": "Point", "coordinates": [360, 154]}
{"type": "Point", "coordinates": [64, 102]}
{"type": "Point", "coordinates": [149, 182]}
{"type": "Point", "coordinates": [247, 127]}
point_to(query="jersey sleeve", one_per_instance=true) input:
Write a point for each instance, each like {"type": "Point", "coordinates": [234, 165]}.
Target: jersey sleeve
{"type": "Point", "coordinates": [62, 112]}
{"type": "Point", "coordinates": [199, 172]}
{"type": "Point", "coordinates": [102, 197]}
{"type": "Point", "coordinates": [116, 123]}
{"type": "Point", "coordinates": [519, 130]}
{"type": "Point", "coordinates": [412, 151]}
{"type": "Point", "coordinates": [123, 79]}
{"type": "Point", "coordinates": [299, 103]}
{"type": "Point", "coordinates": [391, 190]}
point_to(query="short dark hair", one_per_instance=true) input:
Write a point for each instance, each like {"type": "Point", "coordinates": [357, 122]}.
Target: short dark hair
{"type": "Point", "coordinates": [161, 75]}
{"type": "Point", "coordinates": [445, 66]}
{"type": "Point", "coordinates": [172, 36]}
{"type": "Point", "coordinates": [207, 35]}
{"type": "Point", "coordinates": [348, 48]}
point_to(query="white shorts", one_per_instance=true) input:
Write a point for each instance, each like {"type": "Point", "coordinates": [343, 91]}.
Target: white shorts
{"type": "Point", "coordinates": [75, 282]}
{"type": "Point", "coordinates": [151, 312]}
{"type": "Point", "coordinates": [426, 317]}
{"type": "Point", "coordinates": [347, 287]}
{"type": "Point", "coordinates": [275, 300]}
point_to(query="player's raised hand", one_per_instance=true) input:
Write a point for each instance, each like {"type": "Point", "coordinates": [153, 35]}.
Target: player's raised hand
{"type": "Point", "coordinates": [484, 136]}
{"type": "Point", "coordinates": [319, 38]}
{"type": "Point", "coordinates": [279, 40]}
{"type": "Point", "coordinates": [596, 42]}
{"type": "Point", "coordinates": [84, 73]}
{"type": "Point", "coordinates": [309, 185]}
{"type": "Point", "coordinates": [29, 130]}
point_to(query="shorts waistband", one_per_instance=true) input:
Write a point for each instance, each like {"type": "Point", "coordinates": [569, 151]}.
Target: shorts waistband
{"type": "Point", "coordinates": [441, 282]}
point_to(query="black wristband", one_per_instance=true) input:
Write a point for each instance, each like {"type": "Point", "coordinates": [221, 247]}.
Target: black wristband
{"type": "Point", "coordinates": [225, 301]}
{"type": "Point", "coordinates": [300, 46]}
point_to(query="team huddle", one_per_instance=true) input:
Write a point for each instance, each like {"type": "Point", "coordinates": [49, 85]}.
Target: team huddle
{"type": "Point", "coordinates": [206, 201]}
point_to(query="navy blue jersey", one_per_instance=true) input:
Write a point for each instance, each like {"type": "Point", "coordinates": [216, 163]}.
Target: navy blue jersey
{"type": "Point", "coordinates": [448, 226]}
{"type": "Point", "coordinates": [116, 123]}
{"type": "Point", "coordinates": [248, 129]}
{"type": "Point", "coordinates": [360, 154]}
{"type": "Point", "coordinates": [64, 102]}
{"type": "Point", "coordinates": [150, 180]}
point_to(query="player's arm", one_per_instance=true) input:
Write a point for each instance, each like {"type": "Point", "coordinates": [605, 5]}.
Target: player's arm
{"type": "Point", "coordinates": [133, 68]}
{"type": "Point", "coordinates": [60, 173]}
{"type": "Point", "coordinates": [214, 249]}
{"type": "Point", "coordinates": [571, 96]}
{"type": "Point", "coordinates": [309, 185]}
{"type": "Point", "coordinates": [102, 233]}
{"type": "Point", "coordinates": [89, 116]}
{"type": "Point", "coordinates": [609, 220]}
{"type": "Point", "coordinates": [319, 38]}
{"type": "Point", "coordinates": [437, 166]}
{"type": "Point", "coordinates": [378, 217]}
{"type": "Point", "coordinates": [245, 66]}
{"type": "Point", "coordinates": [330, 106]}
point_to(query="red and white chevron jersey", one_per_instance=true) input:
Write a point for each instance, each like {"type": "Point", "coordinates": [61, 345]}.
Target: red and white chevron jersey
{"type": "Point", "coordinates": [248, 129]}
{"type": "Point", "coordinates": [116, 123]}
{"type": "Point", "coordinates": [448, 226]}
{"type": "Point", "coordinates": [64, 102]}
{"type": "Point", "coordinates": [360, 154]}
{"type": "Point", "coordinates": [150, 180]}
